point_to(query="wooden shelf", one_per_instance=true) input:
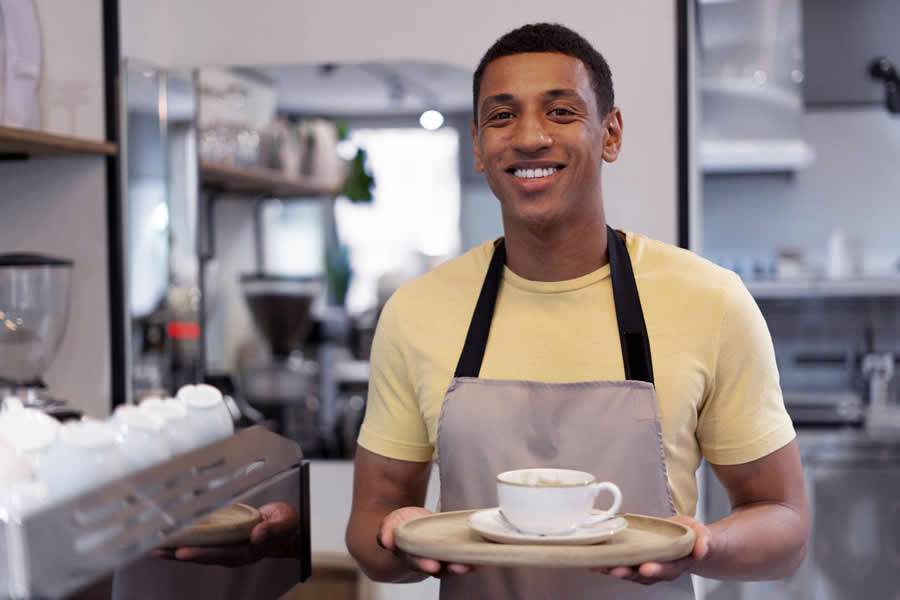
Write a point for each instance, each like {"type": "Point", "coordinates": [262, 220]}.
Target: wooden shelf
{"type": "Point", "coordinates": [259, 181]}
{"type": "Point", "coordinates": [881, 287]}
{"type": "Point", "coordinates": [26, 143]}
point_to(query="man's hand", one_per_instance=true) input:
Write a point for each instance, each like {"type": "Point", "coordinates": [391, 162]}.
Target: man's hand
{"type": "Point", "coordinates": [652, 572]}
{"type": "Point", "coordinates": [274, 537]}
{"type": "Point", "coordinates": [422, 565]}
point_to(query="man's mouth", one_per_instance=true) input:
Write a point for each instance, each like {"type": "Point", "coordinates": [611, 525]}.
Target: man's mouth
{"type": "Point", "coordinates": [534, 179]}
{"type": "Point", "coordinates": [534, 173]}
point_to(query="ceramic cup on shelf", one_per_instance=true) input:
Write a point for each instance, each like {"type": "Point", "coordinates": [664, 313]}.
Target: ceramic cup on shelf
{"type": "Point", "coordinates": [209, 416]}
{"type": "Point", "coordinates": [85, 455]}
{"type": "Point", "coordinates": [178, 429]}
{"type": "Point", "coordinates": [142, 436]}
{"type": "Point", "coordinates": [19, 491]}
{"type": "Point", "coordinates": [14, 468]}
{"type": "Point", "coordinates": [28, 431]}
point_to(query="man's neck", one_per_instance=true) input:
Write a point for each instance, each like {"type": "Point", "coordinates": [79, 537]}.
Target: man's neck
{"type": "Point", "coordinates": [557, 254]}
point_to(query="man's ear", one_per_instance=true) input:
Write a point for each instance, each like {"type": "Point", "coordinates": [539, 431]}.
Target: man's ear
{"type": "Point", "coordinates": [612, 145]}
{"type": "Point", "coordinates": [479, 166]}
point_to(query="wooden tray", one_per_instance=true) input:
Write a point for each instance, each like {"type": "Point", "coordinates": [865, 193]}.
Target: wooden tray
{"type": "Point", "coordinates": [229, 525]}
{"type": "Point", "coordinates": [448, 537]}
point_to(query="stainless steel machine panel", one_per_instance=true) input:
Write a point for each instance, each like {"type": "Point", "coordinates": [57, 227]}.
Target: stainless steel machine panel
{"type": "Point", "coordinates": [853, 482]}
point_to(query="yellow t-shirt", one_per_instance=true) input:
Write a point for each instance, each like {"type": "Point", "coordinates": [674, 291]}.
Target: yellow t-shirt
{"type": "Point", "coordinates": [713, 360]}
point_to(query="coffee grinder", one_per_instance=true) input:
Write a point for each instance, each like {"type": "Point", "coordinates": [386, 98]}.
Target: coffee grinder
{"type": "Point", "coordinates": [34, 310]}
{"type": "Point", "coordinates": [284, 385]}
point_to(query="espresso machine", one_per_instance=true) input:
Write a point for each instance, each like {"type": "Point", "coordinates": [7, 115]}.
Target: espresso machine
{"type": "Point", "coordinates": [34, 310]}
{"type": "Point", "coordinates": [283, 383]}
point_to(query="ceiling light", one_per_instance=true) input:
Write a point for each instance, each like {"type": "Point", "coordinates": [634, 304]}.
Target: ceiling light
{"type": "Point", "coordinates": [347, 149]}
{"type": "Point", "coordinates": [431, 120]}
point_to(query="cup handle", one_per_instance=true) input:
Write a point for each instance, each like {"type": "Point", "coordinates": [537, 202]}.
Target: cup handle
{"type": "Point", "coordinates": [612, 488]}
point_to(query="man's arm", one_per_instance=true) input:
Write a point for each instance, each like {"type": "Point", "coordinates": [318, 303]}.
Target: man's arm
{"type": "Point", "coordinates": [381, 486]}
{"type": "Point", "coordinates": [765, 535]}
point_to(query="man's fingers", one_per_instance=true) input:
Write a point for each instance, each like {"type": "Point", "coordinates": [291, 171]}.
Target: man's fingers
{"type": "Point", "coordinates": [261, 533]}
{"type": "Point", "coordinates": [280, 516]}
{"type": "Point", "coordinates": [427, 565]}
{"type": "Point", "coordinates": [276, 510]}
{"type": "Point", "coordinates": [621, 572]}
{"type": "Point", "coordinates": [379, 541]}
{"type": "Point", "coordinates": [385, 537]}
{"type": "Point", "coordinates": [459, 569]}
{"type": "Point", "coordinates": [279, 519]}
{"type": "Point", "coordinates": [701, 547]}
{"type": "Point", "coordinates": [438, 569]}
{"type": "Point", "coordinates": [232, 556]}
{"type": "Point", "coordinates": [703, 539]}
{"type": "Point", "coordinates": [652, 570]}
{"type": "Point", "coordinates": [665, 571]}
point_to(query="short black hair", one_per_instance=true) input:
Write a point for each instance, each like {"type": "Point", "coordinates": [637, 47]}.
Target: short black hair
{"type": "Point", "coordinates": [550, 37]}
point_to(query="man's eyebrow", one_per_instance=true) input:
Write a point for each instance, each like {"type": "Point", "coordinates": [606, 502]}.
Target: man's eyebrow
{"type": "Point", "coordinates": [497, 99]}
{"type": "Point", "coordinates": [563, 93]}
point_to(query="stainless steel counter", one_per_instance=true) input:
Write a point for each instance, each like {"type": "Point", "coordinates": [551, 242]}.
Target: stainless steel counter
{"type": "Point", "coordinates": [853, 481]}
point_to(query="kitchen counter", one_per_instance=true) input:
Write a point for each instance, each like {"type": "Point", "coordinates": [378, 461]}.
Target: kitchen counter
{"type": "Point", "coordinates": [850, 444]}
{"type": "Point", "coordinates": [852, 478]}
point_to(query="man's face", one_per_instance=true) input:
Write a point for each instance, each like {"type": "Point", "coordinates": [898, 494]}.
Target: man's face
{"type": "Point", "coordinates": [539, 138]}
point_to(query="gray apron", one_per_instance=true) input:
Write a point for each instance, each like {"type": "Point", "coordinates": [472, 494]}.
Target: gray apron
{"type": "Point", "coordinates": [608, 428]}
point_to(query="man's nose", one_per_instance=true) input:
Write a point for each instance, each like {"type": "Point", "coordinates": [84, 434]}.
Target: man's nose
{"type": "Point", "coordinates": [531, 136]}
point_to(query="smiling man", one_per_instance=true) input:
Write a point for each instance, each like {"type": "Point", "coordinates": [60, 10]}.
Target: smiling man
{"type": "Point", "coordinates": [570, 344]}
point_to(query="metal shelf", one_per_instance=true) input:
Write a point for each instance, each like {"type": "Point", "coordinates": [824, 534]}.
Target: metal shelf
{"type": "Point", "coordinates": [260, 181]}
{"type": "Point", "coordinates": [825, 288]}
{"type": "Point", "coordinates": [54, 551]}
{"type": "Point", "coordinates": [733, 157]}
{"type": "Point", "coordinates": [27, 143]}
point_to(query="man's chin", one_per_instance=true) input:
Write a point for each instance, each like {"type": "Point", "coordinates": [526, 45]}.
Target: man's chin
{"type": "Point", "coordinates": [537, 215]}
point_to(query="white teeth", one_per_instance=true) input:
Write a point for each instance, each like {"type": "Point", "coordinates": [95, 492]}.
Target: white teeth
{"type": "Point", "coordinates": [534, 173]}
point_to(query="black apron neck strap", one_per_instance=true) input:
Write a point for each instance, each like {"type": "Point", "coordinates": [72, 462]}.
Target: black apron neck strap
{"type": "Point", "coordinates": [629, 314]}
{"type": "Point", "coordinates": [476, 339]}
{"type": "Point", "coordinates": [630, 317]}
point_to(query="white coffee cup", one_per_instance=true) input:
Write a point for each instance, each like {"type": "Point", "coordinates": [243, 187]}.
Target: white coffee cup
{"type": "Point", "coordinates": [552, 501]}
{"type": "Point", "coordinates": [179, 432]}
{"type": "Point", "coordinates": [19, 499]}
{"type": "Point", "coordinates": [85, 455]}
{"type": "Point", "coordinates": [29, 431]}
{"type": "Point", "coordinates": [14, 468]}
{"type": "Point", "coordinates": [142, 436]}
{"type": "Point", "coordinates": [210, 419]}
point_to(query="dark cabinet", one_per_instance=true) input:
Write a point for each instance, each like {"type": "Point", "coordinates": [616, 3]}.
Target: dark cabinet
{"type": "Point", "coordinates": [840, 39]}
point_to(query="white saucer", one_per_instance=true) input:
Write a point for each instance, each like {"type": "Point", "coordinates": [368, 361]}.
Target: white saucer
{"type": "Point", "coordinates": [492, 526]}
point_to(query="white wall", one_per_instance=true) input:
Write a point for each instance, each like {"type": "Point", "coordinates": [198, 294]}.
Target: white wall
{"type": "Point", "coordinates": [637, 38]}
{"type": "Point", "coordinates": [58, 206]}
{"type": "Point", "coordinates": [144, 32]}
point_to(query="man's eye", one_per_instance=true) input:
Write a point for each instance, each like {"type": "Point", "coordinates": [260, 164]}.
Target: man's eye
{"type": "Point", "coordinates": [561, 112]}
{"type": "Point", "coordinates": [501, 116]}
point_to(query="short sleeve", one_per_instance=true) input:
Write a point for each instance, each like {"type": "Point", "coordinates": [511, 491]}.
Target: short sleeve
{"type": "Point", "coordinates": [393, 425]}
{"type": "Point", "coordinates": [743, 417]}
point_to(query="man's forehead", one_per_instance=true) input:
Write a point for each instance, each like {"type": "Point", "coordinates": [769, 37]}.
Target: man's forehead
{"type": "Point", "coordinates": [534, 74]}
